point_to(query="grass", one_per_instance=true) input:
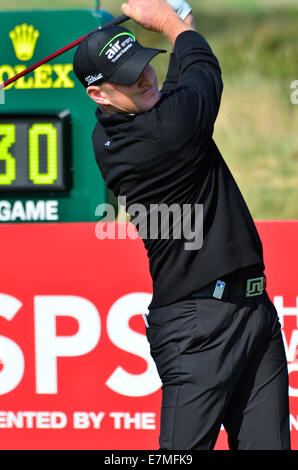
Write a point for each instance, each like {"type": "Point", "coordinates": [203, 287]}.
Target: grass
{"type": "Point", "coordinates": [256, 42]}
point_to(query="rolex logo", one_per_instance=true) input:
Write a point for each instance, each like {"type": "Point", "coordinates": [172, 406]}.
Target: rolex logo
{"type": "Point", "coordinates": [24, 39]}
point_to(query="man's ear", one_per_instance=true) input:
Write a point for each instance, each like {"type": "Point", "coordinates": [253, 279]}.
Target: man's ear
{"type": "Point", "coordinates": [97, 95]}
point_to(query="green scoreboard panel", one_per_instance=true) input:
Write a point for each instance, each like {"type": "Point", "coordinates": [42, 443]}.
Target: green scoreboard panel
{"type": "Point", "coordinates": [47, 166]}
{"type": "Point", "coordinates": [35, 153]}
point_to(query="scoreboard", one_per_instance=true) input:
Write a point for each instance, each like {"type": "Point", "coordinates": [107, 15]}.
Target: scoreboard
{"type": "Point", "coordinates": [47, 166]}
{"type": "Point", "coordinates": [35, 152]}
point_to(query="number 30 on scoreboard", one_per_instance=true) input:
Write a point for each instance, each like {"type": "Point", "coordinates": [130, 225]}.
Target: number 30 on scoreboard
{"type": "Point", "coordinates": [35, 152]}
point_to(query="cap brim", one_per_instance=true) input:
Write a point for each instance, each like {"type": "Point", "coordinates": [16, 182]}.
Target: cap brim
{"type": "Point", "coordinates": [129, 72]}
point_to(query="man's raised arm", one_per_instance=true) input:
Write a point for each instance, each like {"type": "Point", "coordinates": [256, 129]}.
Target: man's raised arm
{"type": "Point", "coordinates": [158, 16]}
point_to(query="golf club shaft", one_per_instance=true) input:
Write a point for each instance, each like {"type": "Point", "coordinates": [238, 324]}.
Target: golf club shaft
{"type": "Point", "coordinates": [115, 21]}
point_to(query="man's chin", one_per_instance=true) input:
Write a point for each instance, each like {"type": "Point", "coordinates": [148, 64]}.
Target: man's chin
{"type": "Point", "coordinates": [149, 103]}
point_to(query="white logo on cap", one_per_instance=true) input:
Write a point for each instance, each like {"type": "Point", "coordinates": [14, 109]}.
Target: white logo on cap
{"type": "Point", "coordinates": [117, 47]}
{"type": "Point", "coordinates": [114, 49]}
{"type": "Point", "coordinates": [93, 78]}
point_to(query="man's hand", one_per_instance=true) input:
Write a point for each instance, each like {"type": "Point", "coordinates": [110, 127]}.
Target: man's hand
{"type": "Point", "coordinates": [151, 14]}
{"type": "Point", "coordinates": [156, 15]}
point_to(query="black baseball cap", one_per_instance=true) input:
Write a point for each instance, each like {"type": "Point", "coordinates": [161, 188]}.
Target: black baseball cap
{"type": "Point", "coordinates": [113, 55]}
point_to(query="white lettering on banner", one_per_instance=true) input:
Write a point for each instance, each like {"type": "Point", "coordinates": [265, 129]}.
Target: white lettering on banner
{"type": "Point", "coordinates": [285, 311]}
{"type": "Point", "coordinates": [83, 420]}
{"type": "Point", "coordinates": [49, 346]}
{"type": "Point", "coordinates": [291, 348]}
{"type": "Point", "coordinates": [123, 337]}
{"type": "Point", "coordinates": [29, 210]}
{"type": "Point", "coordinates": [78, 420]}
{"type": "Point", "coordinates": [293, 422]}
{"type": "Point", "coordinates": [33, 419]}
{"type": "Point", "coordinates": [124, 420]}
{"type": "Point", "coordinates": [11, 356]}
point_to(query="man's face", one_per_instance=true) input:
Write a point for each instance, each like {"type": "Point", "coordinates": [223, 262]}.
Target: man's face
{"type": "Point", "coordinates": [137, 98]}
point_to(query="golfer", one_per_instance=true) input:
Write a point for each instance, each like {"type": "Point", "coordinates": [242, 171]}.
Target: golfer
{"type": "Point", "coordinates": [214, 333]}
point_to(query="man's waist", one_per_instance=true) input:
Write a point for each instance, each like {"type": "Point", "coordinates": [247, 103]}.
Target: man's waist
{"type": "Point", "coordinates": [251, 283]}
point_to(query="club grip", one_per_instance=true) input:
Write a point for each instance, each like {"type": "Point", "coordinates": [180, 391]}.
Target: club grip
{"type": "Point", "coordinates": [120, 19]}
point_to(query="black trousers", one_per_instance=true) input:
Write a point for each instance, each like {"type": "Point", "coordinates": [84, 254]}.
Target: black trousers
{"type": "Point", "coordinates": [221, 362]}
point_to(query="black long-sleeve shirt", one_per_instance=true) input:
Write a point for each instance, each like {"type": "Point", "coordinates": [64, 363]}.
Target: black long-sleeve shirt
{"type": "Point", "coordinates": [168, 156]}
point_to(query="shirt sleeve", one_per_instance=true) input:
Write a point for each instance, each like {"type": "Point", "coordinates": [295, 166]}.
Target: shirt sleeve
{"type": "Point", "coordinates": [188, 113]}
{"type": "Point", "coordinates": [172, 77]}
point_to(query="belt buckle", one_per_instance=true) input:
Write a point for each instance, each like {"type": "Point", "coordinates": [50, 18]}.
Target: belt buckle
{"type": "Point", "coordinates": [255, 286]}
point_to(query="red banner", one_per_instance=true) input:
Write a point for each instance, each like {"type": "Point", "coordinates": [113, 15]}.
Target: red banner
{"type": "Point", "coordinates": [75, 367]}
